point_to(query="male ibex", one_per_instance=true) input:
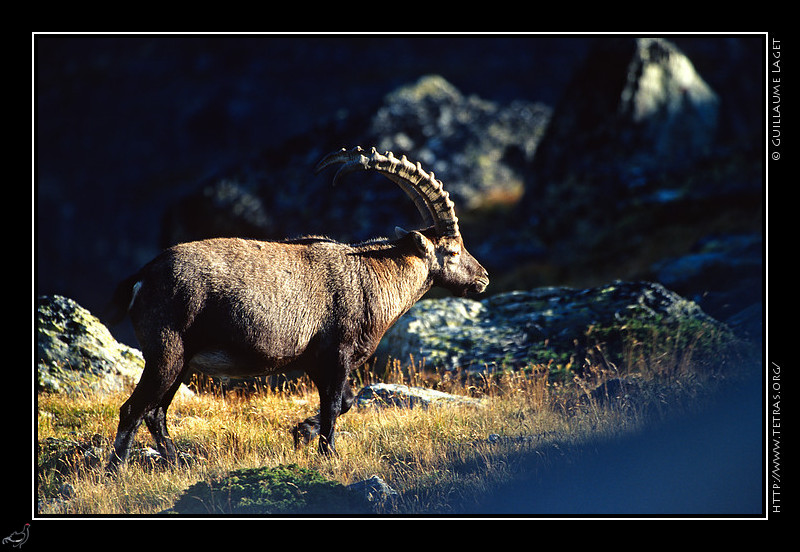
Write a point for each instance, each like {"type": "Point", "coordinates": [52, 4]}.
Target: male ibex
{"type": "Point", "coordinates": [240, 308]}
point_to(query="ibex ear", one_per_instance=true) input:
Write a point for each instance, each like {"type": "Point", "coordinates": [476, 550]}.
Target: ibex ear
{"type": "Point", "coordinates": [423, 244]}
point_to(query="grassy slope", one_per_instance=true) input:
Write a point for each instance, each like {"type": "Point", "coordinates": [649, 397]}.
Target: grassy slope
{"type": "Point", "coordinates": [440, 459]}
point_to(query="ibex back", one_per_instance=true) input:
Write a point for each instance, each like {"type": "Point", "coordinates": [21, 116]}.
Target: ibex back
{"type": "Point", "coordinates": [236, 308]}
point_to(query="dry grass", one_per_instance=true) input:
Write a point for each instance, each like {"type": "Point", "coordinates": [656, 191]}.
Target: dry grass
{"type": "Point", "coordinates": [434, 457]}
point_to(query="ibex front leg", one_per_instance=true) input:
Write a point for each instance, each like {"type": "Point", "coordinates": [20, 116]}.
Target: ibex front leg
{"type": "Point", "coordinates": [335, 398]}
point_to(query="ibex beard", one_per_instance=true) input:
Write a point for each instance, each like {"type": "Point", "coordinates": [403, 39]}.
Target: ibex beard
{"type": "Point", "coordinates": [230, 307]}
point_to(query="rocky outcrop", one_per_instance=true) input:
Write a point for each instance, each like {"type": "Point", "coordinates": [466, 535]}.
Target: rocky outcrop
{"type": "Point", "coordinates": [522, 328]}
{"type": "Point", "coordinates": [77, 354]}
{"type": "Point", "coordinates": [477, 147]}
{"type": "Point", "coordinates": [635, 111]}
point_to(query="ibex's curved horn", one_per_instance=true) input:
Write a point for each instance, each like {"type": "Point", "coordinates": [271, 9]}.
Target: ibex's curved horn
{"type": "Point", "coordinates": [432, 201]}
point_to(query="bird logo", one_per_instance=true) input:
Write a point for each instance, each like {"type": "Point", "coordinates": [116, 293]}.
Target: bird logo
{"type": "Point", "coordinates": [18, 538]}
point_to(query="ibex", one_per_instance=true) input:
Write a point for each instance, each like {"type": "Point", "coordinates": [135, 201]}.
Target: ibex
{"type": "Point", "coordinates": [232, 307]}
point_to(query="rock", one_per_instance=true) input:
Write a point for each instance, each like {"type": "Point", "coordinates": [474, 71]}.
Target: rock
{"type": "Point", "coordinates": [151, 458]}
{"type": "Point", "coordinates": [373, 489]}
{"type": "Point", "coordinates": [632, 151]}
{"type": "Point", "coordinates": [518, 329]}
{"type": "Point", "coordinates": [636, 109]}
{"type": "Point", "coordinates": [77, 354]}
{"type": "Point", "coordinates": [394, 394]}
{"type": "Point", "coordinates": [723, 274]}
{"type": "Point", "coordinates": [475, 146]}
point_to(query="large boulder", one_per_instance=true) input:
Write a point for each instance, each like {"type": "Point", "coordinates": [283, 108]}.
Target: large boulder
{"type": "Point", "coordinates": [553, 324]}
{"type": "Point", "coordinates": [77, 354]}
{"type": "Point", "coordinates": [476, 147]}
{"type": "Point", "coordinates": [636, 165]}
{"type": "Point", "coordinates": [635, 111]}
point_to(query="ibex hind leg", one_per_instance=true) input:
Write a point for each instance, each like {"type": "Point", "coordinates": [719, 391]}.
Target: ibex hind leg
{"type": "Point", "coordinates": [149, 401]}
{"type": "Point", "coordinates": [156, 421]}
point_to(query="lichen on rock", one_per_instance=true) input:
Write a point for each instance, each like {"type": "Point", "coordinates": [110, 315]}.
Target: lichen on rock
{"type": "Point", "coordinates": [521, 328]}
{"type": "Point", "coordinates": [76, 353]}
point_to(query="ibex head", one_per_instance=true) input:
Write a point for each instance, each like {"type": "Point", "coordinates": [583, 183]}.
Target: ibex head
{"type": "Point", "coordinates": [451, 265]}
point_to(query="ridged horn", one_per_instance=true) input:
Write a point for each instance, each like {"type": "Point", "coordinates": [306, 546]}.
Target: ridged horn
{"type": "Point", "coordinates": [431, 199]}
